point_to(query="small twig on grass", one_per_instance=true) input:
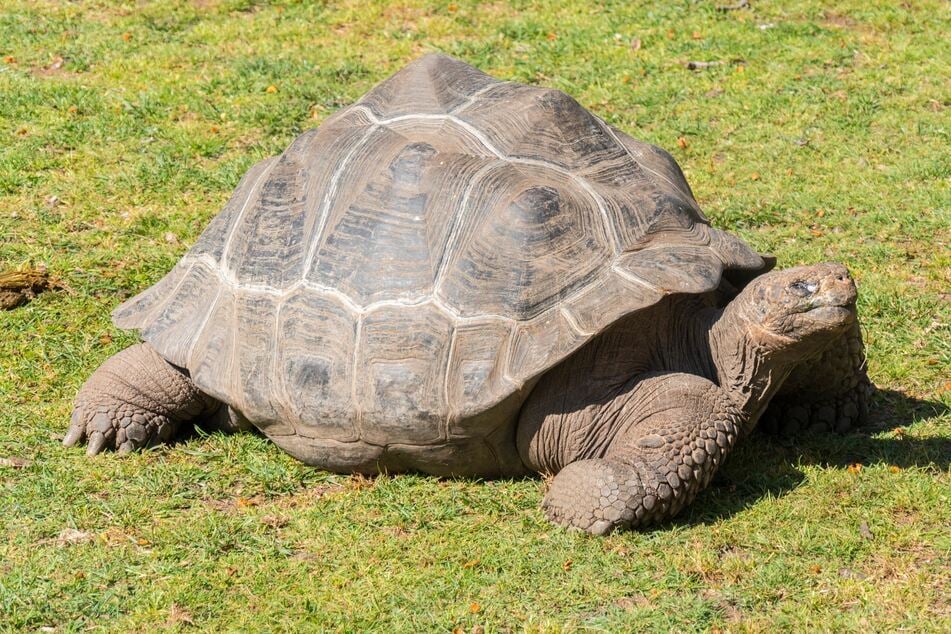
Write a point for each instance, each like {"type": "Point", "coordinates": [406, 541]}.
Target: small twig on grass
{"type": "Point", "coordinates": [742, 4]}
{"type": "Point", "coordinates": [694, 65]}
{"type": "Point", "coordinates": [699, 65]}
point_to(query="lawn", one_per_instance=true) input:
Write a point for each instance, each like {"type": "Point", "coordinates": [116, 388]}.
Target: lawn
{"type": "Point", "coordinates": [820, 132]}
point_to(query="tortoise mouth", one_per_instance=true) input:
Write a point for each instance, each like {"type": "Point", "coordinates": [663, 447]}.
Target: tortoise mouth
{"type": "Point", "coordinates": [832, 314]}
{"type": "Point", "coordinates": [833, 309]}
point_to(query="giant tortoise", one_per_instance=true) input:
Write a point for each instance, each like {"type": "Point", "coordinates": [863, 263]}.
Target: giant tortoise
{"type": "Point", "coordinates": [464, 276]}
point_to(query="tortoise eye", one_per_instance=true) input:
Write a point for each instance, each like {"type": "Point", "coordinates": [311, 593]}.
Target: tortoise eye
{"type": "Point", "coordinates": [802, 288]}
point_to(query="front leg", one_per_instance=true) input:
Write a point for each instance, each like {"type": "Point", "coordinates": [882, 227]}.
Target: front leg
{"type": "Point", "coordinates": [828, 392]}
{"type": "Point", "coordinates": [136, 399]}
{"type": "Point", "coordinates": [663, 440]}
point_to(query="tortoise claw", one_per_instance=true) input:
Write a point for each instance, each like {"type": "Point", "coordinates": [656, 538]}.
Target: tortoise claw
{"type": "Point", "coordinates": [75, 433]}
{"type": "Point", "coordinates": [97, 442]}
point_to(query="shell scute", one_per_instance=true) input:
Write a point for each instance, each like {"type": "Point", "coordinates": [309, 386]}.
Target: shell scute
{"type": "Point", "coordinates": [400, 196]}
{"type": "Point", "coordinates": [177, 323]}
{"type": "Point", "coordinates": [317, 335]}
{"type": "Point", "coordinates": [433, 84]}
{"type": "Point", "coordinates": [402, 354]}
{"type": "Point", "coordinates": [527, 240]}
{"type": "Point", "coordinates": [477, 370]}
{"type": "Point", "coordinates": [542, 125]}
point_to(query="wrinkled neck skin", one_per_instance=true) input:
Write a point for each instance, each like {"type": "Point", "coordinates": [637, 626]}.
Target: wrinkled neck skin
{"type": "Point", "coordinates": [721, 344]}
{"type": "Point", "coordinates": [750, 364]}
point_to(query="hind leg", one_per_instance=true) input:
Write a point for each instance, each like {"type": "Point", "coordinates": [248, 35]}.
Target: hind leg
{"type": "Point", "coordinates": [829, 392]}
{"type": "Point", "coordinates": [136, 399]}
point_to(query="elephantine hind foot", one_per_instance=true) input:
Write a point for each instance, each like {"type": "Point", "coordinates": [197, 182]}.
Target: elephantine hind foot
{"type": "Point", "coordinates": [135, 399]}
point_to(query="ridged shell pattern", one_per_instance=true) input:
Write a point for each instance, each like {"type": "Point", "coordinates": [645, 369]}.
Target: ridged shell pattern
{"type": "Point", "coordinates": [424, 254]}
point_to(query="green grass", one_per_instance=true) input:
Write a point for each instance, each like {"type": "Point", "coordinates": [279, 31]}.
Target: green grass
{"type": "Point", "coordinates": [829, 140]}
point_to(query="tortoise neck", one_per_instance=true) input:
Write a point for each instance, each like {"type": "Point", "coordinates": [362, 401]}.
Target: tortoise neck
{"type": "Point", "coordinates": [749, 365]}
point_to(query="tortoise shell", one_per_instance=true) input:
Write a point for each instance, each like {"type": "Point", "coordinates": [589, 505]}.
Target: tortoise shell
{"type": "Point", "coordinates": [423, 255]}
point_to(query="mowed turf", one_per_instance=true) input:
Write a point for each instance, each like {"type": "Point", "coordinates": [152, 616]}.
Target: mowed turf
{"type": "Point", "coordinates": [820, 132]}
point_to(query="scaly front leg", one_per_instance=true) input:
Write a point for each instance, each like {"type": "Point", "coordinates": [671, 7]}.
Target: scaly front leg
{"type": "Point", "coordinates": [135, 399]}
{"type": "Point", "coordinates": [828, 392]}
{"type": "Point", "coordinates": [666, 437]}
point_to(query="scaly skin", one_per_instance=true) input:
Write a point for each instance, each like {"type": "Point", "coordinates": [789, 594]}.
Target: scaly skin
{"type": "Point", "coordinates": [135, 399]}
{"type": "Point", "coordinates": [827, 393]}
{"type": "Point", "coordinates": [673, 431]}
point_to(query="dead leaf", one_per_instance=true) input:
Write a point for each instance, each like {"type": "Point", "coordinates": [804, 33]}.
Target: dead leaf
{"type": "Point", "coordinates": [815, 569]}
{"type": "Point", "coordinates": [471, 563]}
{"type": "Point", "coordinates": [358, 482]}
{"type": "Point", "coordinates": [274, 521]}
{"type": "Point", "coordinates": [69, 536]}
{"type": "Point", "coordinates": [854, 468]}
{"type": "Point", "coordinates": [474, 607]}
{"type": "Point", "coordinates": [271, 89]}
{"type": "Point", "coordinates": [631, 603]}
{"type": "Point", "coordinates": [682, 143]}
{"type": "Point", "coordinates": [567, 565]}
{"type": "Point", "coordinates": [894, 469]}
{"type": "Point", "coordinates": [105, 339]}
{"type": "Point", "coordinates": [899, 432]}
{"type": "Point", "coordinates": [178, 615]}
{"type": "Point", "coordinates": [16, 462]}
{"type": "Point", "coordinates": [754, 176]}
{"type": "Point", "coordinates": [10, 59]}
{"type": "Point", "coordinates": [551, 37]}
{"type": "Point", "coordinates": [636, 44]}
{"type": "Point", "coordinates": [696, 35]}
{"type": "Point", "coordinates": [126, 36]}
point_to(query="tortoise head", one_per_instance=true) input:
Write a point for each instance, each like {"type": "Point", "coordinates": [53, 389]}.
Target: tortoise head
{"type": "Point", "coordinates": [799, 309]}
